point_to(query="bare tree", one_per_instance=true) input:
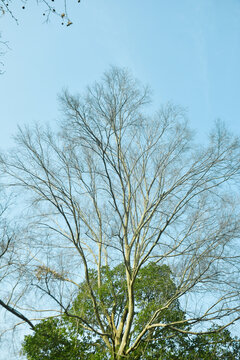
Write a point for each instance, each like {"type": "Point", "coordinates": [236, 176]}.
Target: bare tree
{"type": "Point", "coordinates": [116, 186]}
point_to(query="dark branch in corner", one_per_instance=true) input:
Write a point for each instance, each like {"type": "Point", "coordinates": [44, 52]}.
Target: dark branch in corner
{"type": "Point", "coordinates": [17, 313]}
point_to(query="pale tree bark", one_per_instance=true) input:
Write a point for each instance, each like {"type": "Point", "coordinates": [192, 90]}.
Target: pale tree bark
{"type": "Point", "coordinates": [118, 186]}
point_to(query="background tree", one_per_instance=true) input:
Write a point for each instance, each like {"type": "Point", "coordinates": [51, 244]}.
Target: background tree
{"type": "Point", "coordinates": [116, 186]}
{"type": "Point", "coordinates": [51, 340]}
{"type": "Point", "coordinates": [65, 339]}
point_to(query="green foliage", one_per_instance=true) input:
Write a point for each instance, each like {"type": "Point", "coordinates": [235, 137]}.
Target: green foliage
{"type": "Point", "coordinates": [65, 339]}
{"type": "Point", "coordinates": [153, 288]}
{"type": "Point", "coordinates": [111, 295]}
{"type": "Point", "coordinates": [212, 346]}
{"type": "Point", "coordinates": [54, 339]}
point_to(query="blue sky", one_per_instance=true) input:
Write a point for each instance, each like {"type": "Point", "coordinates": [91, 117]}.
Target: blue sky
{"type": "Point", "coordinates": [188, 51]}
